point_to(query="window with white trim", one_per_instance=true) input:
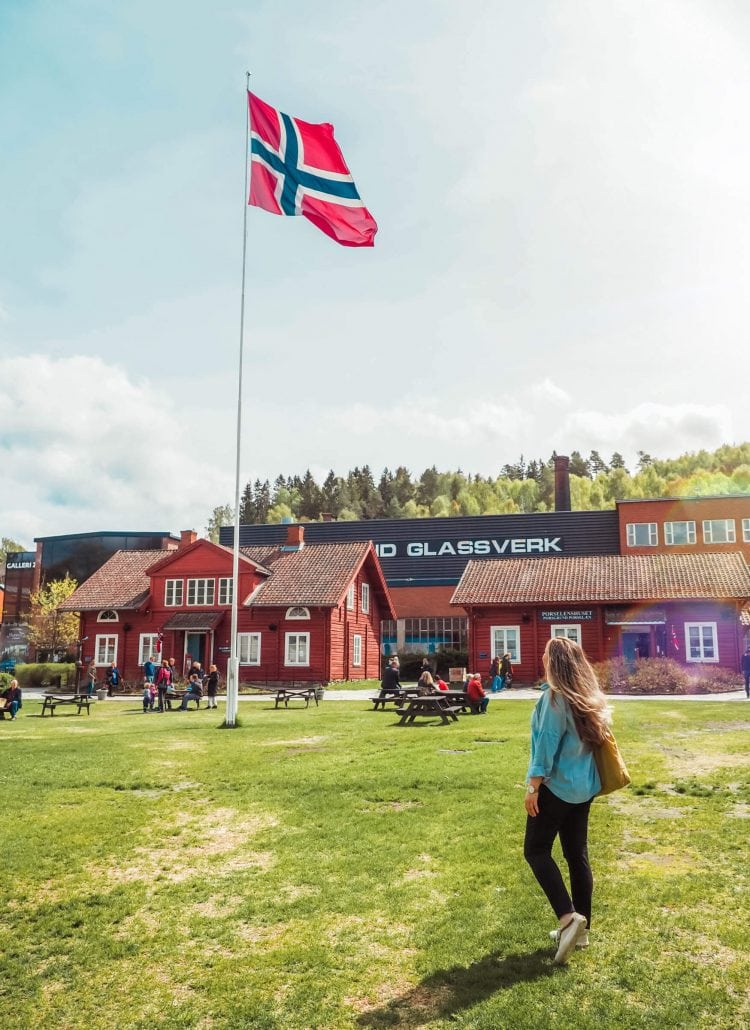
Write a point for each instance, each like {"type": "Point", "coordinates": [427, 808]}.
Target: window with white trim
{"type": "Point", "coordinates": [248, 648]}
{"type": "Point", "coordinates": [718, 531]}
{"type": "Point", "coordinates": [200, 591]}
{"type": "Point", "coordinates": [569, 630]}
{"type": "Point", "coordinates": [297, 649]}
{"type": "Point", "coordinates": [105, 648]}
{"type": "Point", "coordinates": [147, 646]}
{"type": "Point", "coordinates": [701, 644]}
{"type": "Point", "coordinates": [350, 598]}
{"type": "Point", "coordinates": [298, 612]}
{"type": "Point", "coordinates": [365, 605]}
{"type": "Point", "coordinates": [746, 531]}
{"type": "Point", "coordinates": [173, 593]}
{"type": "Point", "coordinates": [356, 649]}
{"type": "Point", "coordinates": [226, 584]}
{"type": "Point", "coordinates": [108, 616]}
{"type": "Point", "coordinates": [642, 534]}
{"type": "Point", "coordinates": [506, 638]}
{"type": "Point", "coordinates": [676, 533]}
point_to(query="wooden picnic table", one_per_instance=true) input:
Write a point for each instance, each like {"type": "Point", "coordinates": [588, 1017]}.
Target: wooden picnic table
{"type": "Point", "coordinates": [397, 696]}
{"type": "Point", "coordinates": [287, 694]}
{"type": "Point", "coordinates": [51, 701]}
{"type": "Point", "coordinates": [177, 695]}
{"type": "Point", "coordinates": [429, 705]}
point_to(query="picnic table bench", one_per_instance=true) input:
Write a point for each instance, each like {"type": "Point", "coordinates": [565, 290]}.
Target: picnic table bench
{"type": "Point", "coordinates": [397, 696]}
{"type": "Point", "coordinates": [177, 695]}
{"type": "Point", "coordinates": [429, 705]}
{"type": "Point", "coordinates": [51, 701]}
{"type": "Point", "coordinates": [287, 694]}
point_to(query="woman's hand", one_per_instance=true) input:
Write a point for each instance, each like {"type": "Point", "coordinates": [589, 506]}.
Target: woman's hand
{"type": "Point", "coordinates": [531, 801]}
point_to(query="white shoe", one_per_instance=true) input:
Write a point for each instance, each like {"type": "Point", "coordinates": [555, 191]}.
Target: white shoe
{"type": "Point", "coordinates": [582, 942]}
{"type": "Point", "coordinates": [569, 937]}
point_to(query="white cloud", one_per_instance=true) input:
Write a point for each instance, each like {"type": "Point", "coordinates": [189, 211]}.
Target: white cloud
{"type": "Point", "coordinates": [83, 446]}
{"type": "Point", "coordinates": [547, 391]}
{"type": "Point", "coordinates": [660, 429]}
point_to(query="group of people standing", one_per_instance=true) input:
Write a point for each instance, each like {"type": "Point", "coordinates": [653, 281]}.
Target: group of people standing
{"type": "Point", "coordinates": [160, 684]}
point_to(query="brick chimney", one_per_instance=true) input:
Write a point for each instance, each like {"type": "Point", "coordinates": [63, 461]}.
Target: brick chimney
{"type": "Point", "coordinates": [562, 483]}
{"type": "Point", "coordinates": [295, 538]}
{"type": "Point", "coordinates": [187, 537]}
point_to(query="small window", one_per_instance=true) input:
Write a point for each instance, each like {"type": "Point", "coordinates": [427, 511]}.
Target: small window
{"type": "Point", "coordinates": [200, 591]}
{"type": "Point", "coordinates": [506, 638]}
{"type": "Point", "coordinates": [718, 531]}
{"type": "Point", "coordinates": [105, 649]}
{"type": "Point", "coordinates": [700, 642]}
{"type": "Point", "coordinates": [147, 646]}
{"type": "Point", "coordinates": [350, 598]}
{"type": "Point", "coordinates": [642, 534]}
{"type": "Point", "coordinates": [365, 598]}
{"type": "Point", "coordinates": [173, 593]}
{"type": "Point", "coordinates": [746, 531]}
{"type": "Point", "coordinates": [676, 533]}
{"type": "Point", "coordinates": [298, 612]}
{"type": "Point", "coordinates": [226, 585]}
{"type": "Point", "coordinates": [356, 649]}
{"type": "Point", "coordinates": [108, 616]}
{"type": "Point", "coordinates": [297, 651]}
{"type": "Point", "coordinates": [571, 631]}
{"type": "Point", "coordinates": [248, 648]}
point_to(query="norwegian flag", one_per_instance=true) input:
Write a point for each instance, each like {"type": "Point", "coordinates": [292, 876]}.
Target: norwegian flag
{"type": "Point", "coordinates": [296, 168]}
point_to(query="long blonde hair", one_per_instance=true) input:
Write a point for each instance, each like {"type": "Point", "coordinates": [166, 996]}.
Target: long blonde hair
{"type": "Point", "coordinates": [569, 673]}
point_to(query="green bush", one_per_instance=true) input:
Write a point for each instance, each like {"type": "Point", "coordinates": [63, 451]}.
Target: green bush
{"type": "Point", "coordinates": [711, 679]}
{"type": "Point", "coordinates": [38, 675]}
{"type": "Point", "coordinates": [5, 681]}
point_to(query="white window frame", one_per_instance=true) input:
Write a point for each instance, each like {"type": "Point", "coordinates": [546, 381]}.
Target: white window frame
{"type": "Point", "coordinates": [297, 611]}
{"type": "Point", "coordinates": [365, 599]}
{"type": "Point", "coordinates": [175, 587]}
{"type": "Point", "coordinates": [499, 652]}
{"type": "Point", "coordinates": [729, 528]}
{"type": "Point", "coordinates": [194, 584]}
{"type": "Point", "coordinates": [226, 586]}
{"type": "Point", "coordinates": [669, 539]}
{"type": "Point", "coordinates": [144, 653]}
{"type": "Point", "coordinates": [653, 534]}
{"type": "Point", "coordinates": [291, 650]}
{"type": "Point", "coordinates": [357, 649]}
{"type": "Point", "coordinates": [701, 658]}
{"type": "Point", "coordinates": [350, 598]}
{"type": "Point", "coordinates": [105, 649]}
{"type": "Point", "coordinates": [746, 531]}
{"type": "Point", "coordinates": [245, 642]}
{"type": "Point", "coordinates": [103, 616]}
{"type": "Point", "coordinates": [565, 629]}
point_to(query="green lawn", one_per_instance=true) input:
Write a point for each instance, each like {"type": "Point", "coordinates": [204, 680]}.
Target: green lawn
{"type": "Point", "coordinates": [327, 868]}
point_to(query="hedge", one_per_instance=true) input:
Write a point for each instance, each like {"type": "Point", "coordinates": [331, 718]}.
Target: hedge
{"type": "Point", "coordinates": [37, 675]}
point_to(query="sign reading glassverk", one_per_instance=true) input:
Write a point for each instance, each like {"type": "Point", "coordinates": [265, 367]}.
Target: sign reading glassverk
{"type": "Point", "coordinates": [483, 548]}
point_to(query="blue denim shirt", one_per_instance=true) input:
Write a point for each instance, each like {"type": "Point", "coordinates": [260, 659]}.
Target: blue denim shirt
{"type": "Point", "coordinates": [557, 753]}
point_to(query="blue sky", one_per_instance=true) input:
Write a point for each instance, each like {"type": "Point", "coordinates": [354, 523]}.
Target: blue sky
{"type": "Point", "coordinates": [562, 259]}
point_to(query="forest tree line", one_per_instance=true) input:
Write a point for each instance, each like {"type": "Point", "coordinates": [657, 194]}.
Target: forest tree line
{"type": "Point", "coordinates": [525, 486]}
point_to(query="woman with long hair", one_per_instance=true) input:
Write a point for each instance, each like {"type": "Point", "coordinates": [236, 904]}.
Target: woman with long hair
{"type": "Point", "coordinates": [569, 720]}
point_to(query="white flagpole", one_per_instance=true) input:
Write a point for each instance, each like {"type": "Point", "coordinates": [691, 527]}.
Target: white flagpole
{"type": "Point", "coordinates": [233, 670]}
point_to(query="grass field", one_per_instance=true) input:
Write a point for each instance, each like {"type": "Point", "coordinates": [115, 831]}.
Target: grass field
{"type": "Point", "coordinates": [327, 868]}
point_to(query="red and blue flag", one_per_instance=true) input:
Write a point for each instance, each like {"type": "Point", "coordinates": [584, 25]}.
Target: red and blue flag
{"type": "Point", "coordinates": [297, 168]}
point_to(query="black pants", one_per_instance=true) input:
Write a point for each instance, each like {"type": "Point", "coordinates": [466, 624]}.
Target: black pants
{"type": "Point", "coordinates": [747, 683]}
{"type": "Point", "coordinates": [571, 822]}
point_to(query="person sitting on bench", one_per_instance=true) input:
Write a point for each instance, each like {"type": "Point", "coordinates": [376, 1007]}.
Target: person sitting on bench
{"type": "Point", "coordinates": [194, 692]}
{"type": "Point", "coordinates": [476, 694]}
{"type": "Point", "coordinates": [11, 700]}
{"type": "Point", "coordinates": [390, 684]}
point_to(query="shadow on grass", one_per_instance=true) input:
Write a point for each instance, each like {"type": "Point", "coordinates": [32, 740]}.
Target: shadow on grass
{"type": "Point", "coordinates": [449, 991]}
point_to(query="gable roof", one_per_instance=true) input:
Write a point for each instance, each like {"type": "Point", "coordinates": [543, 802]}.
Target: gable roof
{"type": "Point", "coordinates": [121, 582]}
{"type": "Point", "coordinates": [317, 575]}
{"type": "Point", "coordinates": [201, 544]}
{"type": "Point", "coordinates": [651, 577]}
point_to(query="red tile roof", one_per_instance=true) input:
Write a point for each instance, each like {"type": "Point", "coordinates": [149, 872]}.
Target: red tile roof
{"type": "Point", "coordinates": [424, 602]}
{"type": "Point", "coordinates": [120, 583]}
{"type": "Point", "coordinates": [651, 577]}
{"type": "Point", "coordinates": [316, 575]}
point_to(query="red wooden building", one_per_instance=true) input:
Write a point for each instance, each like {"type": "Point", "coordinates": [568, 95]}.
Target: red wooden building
{"type": "Point", "coordinates": [683, 606]}
{"type": "Point", "coordinates": [307, 612]}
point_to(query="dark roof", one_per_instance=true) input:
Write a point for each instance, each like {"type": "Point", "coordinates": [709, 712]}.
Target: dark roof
{"type": "Point", "coordinates": [195, 621]}
{"type": "Point", "coordinates": [651, 577]}
{"type": "Point", "coordinates": [106, 533]}
{"type": "Point", "coordinates": [121, 582]}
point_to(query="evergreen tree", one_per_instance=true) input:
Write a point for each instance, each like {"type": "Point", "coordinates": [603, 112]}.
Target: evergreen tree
{"type": "Point", "coordinates": [617, 461]}
{"type": "Point", "coordinates": [597, 464]}
{"type": "Point", "coordinates": [310, 497]}
{"type": "Point", "coordinates": [578, 465]}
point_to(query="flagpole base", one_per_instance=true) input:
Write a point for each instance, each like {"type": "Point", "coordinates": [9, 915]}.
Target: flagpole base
{"type": "Point", "coordinates": [233, 686]}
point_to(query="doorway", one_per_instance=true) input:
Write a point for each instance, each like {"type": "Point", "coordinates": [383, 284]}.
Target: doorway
{"type": "Point", "coordinates": [635, 645]}
{"type": "Point", "coordinates": [195, 649]}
